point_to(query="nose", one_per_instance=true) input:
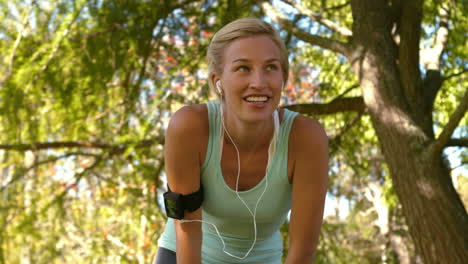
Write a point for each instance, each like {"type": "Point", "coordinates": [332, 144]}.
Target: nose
{"type": "Point", "coordinates": [258, 80]}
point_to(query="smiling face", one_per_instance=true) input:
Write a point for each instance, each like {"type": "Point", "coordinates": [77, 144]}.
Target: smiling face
{"type": "Point", "coordinates": [251, 78]}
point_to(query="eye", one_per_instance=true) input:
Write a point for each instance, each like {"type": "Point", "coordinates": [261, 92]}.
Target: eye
{"type": "Point", "coordinates": [242, 68]}
{"type": "Point", "coordinates": [272, 67]}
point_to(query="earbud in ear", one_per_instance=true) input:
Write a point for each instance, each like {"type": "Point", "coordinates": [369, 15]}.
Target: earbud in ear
{"type": "Point", "coordinates": [218, 87]}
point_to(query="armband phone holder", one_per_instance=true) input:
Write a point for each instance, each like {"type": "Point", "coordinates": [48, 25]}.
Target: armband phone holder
{"type": "Point", "coordinates": [176, 203]}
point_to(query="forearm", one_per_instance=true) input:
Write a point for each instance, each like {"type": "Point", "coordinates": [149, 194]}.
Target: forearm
{"type": "Point", "coordinates": [189, 238]}
{"type": "Point", "coordinates": [189, 241]}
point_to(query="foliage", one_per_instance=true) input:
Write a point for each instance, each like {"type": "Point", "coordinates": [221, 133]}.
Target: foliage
{"type": "Point", "coordinates": [86, 91]}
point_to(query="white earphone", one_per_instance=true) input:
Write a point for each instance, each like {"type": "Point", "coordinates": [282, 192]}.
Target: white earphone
{"type": "Point", "coordinates": [218, 87]}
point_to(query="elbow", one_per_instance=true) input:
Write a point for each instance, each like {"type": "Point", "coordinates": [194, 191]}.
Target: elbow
{"type": "Point", "coordinates": [300, 259]}
{"type": "Point", "coordinates": [190, 230]}
{"type": "Point", "coordinates": [301, 255]}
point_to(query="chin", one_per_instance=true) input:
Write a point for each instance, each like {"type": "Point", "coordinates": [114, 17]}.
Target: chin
{"type": "Point", "coordinates": [259, 116]}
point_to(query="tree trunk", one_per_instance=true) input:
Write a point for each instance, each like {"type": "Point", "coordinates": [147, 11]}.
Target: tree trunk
{"type": "Point", "coordinates": [437, 219]}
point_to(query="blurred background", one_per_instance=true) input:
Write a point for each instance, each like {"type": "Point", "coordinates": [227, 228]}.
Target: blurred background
{"type": "Point", "coordinates": [87, 88]}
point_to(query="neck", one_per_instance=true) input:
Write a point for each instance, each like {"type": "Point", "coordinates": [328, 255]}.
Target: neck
{"type": "Point", "coordinates": [248, 136]}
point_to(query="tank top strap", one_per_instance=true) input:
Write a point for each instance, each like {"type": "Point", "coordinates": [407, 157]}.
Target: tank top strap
{"type": "Point", "coordinates": [286, 124]}
{"type": "Point", "coordinates": [214, 120]}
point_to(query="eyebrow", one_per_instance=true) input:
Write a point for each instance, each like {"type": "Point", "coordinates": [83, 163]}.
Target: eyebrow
{"type": "Point", "coordinates": [247, 60]}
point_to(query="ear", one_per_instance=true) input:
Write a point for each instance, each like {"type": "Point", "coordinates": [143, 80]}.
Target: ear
{"type": "Point", "coordinates": [213, 79]}
{"type": "Point", "coordinates": [216, 83]}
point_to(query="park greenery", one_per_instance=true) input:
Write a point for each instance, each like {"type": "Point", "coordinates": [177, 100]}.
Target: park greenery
{"type": "Point", "coordinates": [87, 88]}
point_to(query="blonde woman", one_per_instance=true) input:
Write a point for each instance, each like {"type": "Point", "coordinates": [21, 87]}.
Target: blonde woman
{"type": "Point", "coordinates": [237, 166]}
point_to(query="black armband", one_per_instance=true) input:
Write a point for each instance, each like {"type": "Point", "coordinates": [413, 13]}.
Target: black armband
{"type": "Point", "coordinates": [176, 203]}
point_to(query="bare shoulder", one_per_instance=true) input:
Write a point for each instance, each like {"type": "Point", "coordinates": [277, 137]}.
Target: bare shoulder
{"type": "Point", "coordinates": [307, 132]}
{"type": "Point", "coordinates": [190, 120]}
{"type": "Point", "coordinates": [308, 151]}
{"type": "Point", "coordinates": [188, 131]}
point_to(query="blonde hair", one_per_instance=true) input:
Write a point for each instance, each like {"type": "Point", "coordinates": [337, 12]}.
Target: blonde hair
{"type": "Point", "coordinates": [240, 28]}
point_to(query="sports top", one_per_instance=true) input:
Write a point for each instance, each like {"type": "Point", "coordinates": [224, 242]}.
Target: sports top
{"type": "Point", "coordinates": [223, 208]}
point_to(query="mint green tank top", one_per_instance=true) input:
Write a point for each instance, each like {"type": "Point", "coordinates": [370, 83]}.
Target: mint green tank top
{"type": "Point", "coordinates": [222, 208]}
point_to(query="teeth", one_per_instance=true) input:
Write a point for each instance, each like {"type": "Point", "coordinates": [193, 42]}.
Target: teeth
{"type": "Point", "coordinates": [256, 99]}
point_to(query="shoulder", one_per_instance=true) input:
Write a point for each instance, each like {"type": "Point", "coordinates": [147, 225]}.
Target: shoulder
{"type": "Point", "coordinates": [308, 148]}
{"type": "Point", "coordinates": [307, 132]}
{"type": "Point", "coordinates": [187, 133]}
{"type": "Point", "coordinates": [189, 120]}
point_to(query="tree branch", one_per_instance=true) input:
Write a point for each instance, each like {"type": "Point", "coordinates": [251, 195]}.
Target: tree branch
{"type": "Point", "coordinates": [346, 91]}
{"type": "Point", "coordinates": [325, 43]}
{"type": "Point", "coordinates": [149, 50]}
{"type": "Point", "coordinates": [455, 74]}
{"type": "Point", "coordinates": [458, 166]}
{"type": "Point", "coordinates": [115, 149]}
{"type": "Point", "coordinates": [444, 137]}
{"type": "Point", "coordinates": [62, 193]}
{"type": "Point", "coordinates": [337, 7]}
{"type": "Point", "coordinates": [20, 175]}
{"type": "Point", "coordinates": [348, 104]}
{"type": "Point", "coordinates": [431, 57]}
{"type": "Point", "coordinates": [78, 178]}
{"type": "Point", "coordinates": [458, 142]}
{"type": "Point", "coordinates": [336, 140]}
{"type": "Point", "coordinates": [410, 32]}
{"type": "Point", "coordinates": [318, 17]}
{"type": "Point", "coordinates": [109, 29]}
{"type": "Point", "coordinates": [11, 58]}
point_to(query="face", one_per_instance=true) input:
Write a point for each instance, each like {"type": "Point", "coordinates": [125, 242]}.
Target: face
{"type": "Point", "coordinates": [252, 78]}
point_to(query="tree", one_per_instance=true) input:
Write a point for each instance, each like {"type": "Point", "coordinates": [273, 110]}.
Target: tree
{"type": "Point", "coordinates": [399, 89]}
{"type": "Point", "coordinates": [87, 88]}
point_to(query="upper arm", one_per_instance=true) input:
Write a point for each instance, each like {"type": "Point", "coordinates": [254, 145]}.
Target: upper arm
{"type": "Point", "coordinates": [183, 149]}
{"type": "Point", "coordinates": [310, 179]}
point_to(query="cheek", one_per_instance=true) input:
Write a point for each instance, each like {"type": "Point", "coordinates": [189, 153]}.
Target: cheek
{"type": "Point", "coordinates": [233, 83]}
{"type": "Point", "coordinates": [278, 80]}
{"type": "Point", "coordinates": [279, 87]}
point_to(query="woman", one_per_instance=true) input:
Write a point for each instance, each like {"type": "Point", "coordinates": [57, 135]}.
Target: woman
{"type": "Point", "coordinates": [248, 160]}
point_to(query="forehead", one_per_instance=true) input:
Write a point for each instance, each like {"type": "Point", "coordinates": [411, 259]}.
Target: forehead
{"type": "Point", "coordinates": [253, 48]}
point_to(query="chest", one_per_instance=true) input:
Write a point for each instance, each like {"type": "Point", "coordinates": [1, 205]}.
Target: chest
{"type": "Point", "coordinates": [252, 167]}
